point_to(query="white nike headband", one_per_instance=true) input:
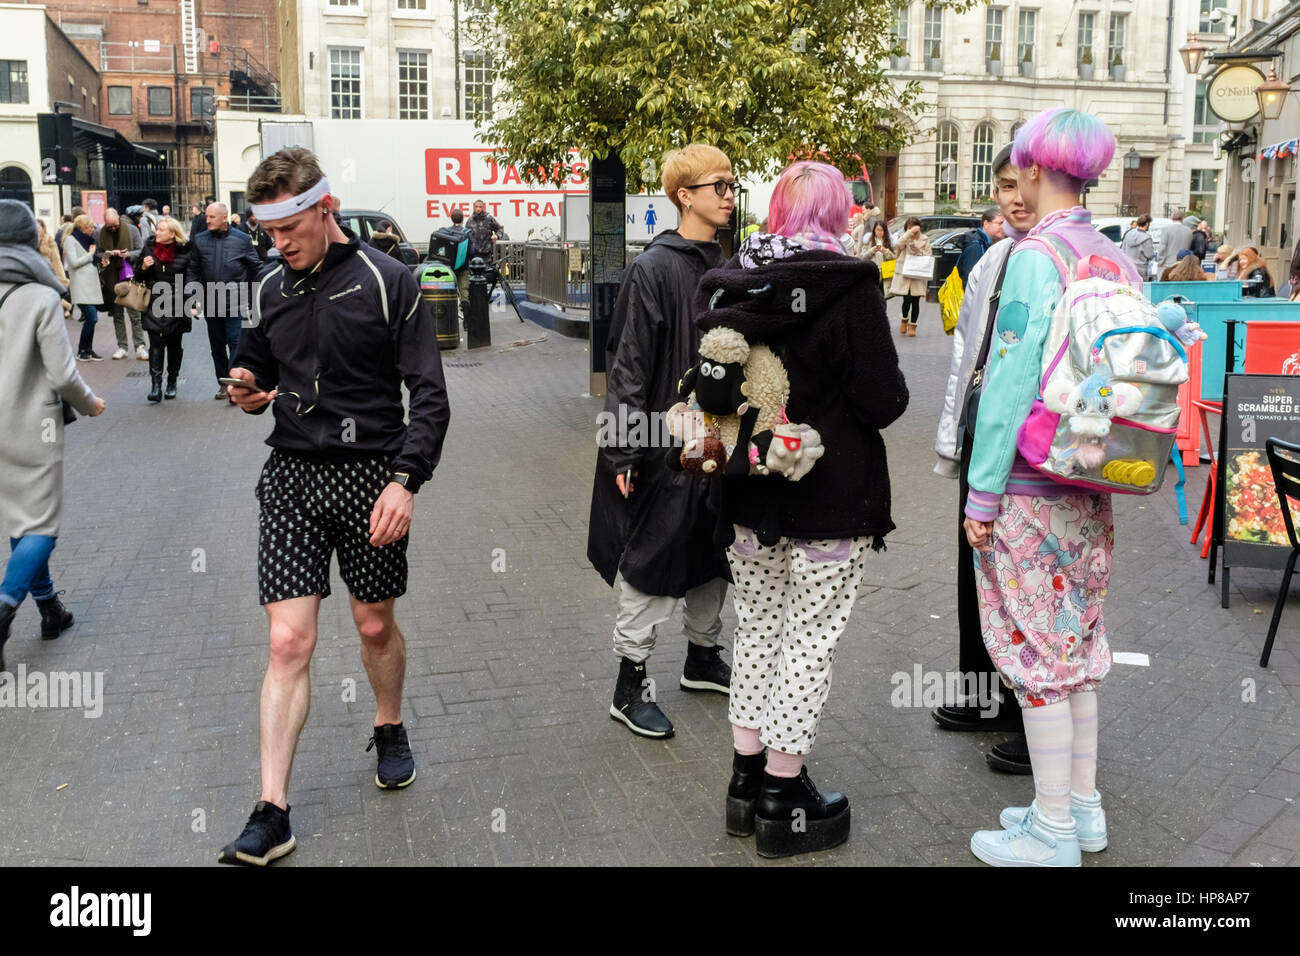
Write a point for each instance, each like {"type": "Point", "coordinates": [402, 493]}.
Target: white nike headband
{"type": "Point", "coordinates": [291, 207]}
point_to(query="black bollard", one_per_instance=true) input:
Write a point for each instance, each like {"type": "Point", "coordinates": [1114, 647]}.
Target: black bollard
{"type": "Point", "coordinates": [478, 334]}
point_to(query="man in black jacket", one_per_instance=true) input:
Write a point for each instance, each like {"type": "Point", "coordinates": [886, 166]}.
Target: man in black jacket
{"type": "Point", "coordinates": [337, 329]}
{"type": "Point", "coordinates": [978, 242]}
{"type": "Point", "coordinates": [651, 533]}
{"type": "Point", "coordinates": [224, 262]}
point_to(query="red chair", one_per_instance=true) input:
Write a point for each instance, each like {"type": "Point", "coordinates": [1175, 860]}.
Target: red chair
{"type": "Point", "coordinates": [1205, 517]}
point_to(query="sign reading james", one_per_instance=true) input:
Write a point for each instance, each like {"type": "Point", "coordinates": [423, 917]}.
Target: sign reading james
{"type": "Point", "coordinates": [1231, 93]}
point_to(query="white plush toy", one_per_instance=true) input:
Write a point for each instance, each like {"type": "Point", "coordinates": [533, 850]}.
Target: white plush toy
{"type": "Point", "coordinates": [1090, 406]}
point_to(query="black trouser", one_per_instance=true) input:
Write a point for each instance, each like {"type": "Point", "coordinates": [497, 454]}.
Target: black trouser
{"type": "Point", "coordinates": [912, 302]}
{"type": "Point", "coordinates": [972, 655]}
{"type": "Point", "coordinates": [171, 343]}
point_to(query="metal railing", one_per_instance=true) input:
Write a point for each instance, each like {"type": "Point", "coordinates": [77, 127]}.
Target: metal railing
{"type": "Point", "coordinates": [249, 103]}
{"type": "Point", "coordinates": [554, 272]}
{"type": "Point", "coordinates": [131, 57]}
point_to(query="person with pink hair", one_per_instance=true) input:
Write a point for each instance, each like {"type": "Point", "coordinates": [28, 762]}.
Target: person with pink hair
{"type": "Point", "coordinates": [1044, 549]}
{"type": "Point", "coordinates": [800, 546]}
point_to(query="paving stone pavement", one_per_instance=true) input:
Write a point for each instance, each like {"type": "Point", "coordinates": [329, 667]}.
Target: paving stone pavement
{"type": "Point", "coordinates": [510, 671]}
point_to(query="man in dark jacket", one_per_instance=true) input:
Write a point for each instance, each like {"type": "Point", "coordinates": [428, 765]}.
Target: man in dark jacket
{"type": "Point", "coordinates": [261, 241]}
{"type": "Point", "coordinates": [651, 533]}
{"type": "Point", "coordinates": [338, 329]}
{"type": "Point", "coordinates": [462, 274]}
{"type": "Point", "coordinates": [484, 231]}
{"type": "Point", "coordinates": [978, 242]}
{"type": "Point", "coordinates": [224, 262]}
{"type": "Point", "coordinates": [117, 240]}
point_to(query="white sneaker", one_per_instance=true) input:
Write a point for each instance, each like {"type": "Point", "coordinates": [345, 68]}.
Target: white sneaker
{"type": "Point", "coordinates": [1035, 841]}
{"type": "Point", "coordinates": [142, 353]}
{"type": "Point", "coordinates": [120, 354]}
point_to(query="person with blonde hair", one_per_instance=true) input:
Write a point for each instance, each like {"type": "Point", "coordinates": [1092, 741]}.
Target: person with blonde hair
{"type": "Point", "coordinates": [50, 250]}
{"type": "Point", "coordinates": [651, 534]}
{"type": "Point", "coordinates": [163, 259]}
{"type": "Point", "coordinates": [83, 283]}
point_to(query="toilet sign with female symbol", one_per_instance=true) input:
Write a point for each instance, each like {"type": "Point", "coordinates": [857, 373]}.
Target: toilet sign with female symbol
{"type": "Point", "coordinates": [647, 216]}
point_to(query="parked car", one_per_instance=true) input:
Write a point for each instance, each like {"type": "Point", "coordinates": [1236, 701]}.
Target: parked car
{"type": "Point", "coordinates": [951, 221]}
{"type": "Point", "coordinates": [365, 222]}
{"type": "Point", "coordinates": [946, 244]}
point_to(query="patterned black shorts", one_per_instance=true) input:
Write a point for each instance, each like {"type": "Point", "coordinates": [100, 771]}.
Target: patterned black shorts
{"type": "Point", "coordinates": [311, 509]}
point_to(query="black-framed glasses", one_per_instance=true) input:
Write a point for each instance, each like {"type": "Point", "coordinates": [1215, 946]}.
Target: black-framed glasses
{"type": "Point", "coordinates": [720, 187]}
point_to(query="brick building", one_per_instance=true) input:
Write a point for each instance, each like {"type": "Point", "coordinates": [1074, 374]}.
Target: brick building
{"type": "Point", "coordinates": [166, 65]}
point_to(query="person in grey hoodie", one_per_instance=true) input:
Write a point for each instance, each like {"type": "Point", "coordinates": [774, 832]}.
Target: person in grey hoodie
{"type": "Point", "coordinates": [38, 373]}
{"type": "Point", "coordinates": [1176, 237]}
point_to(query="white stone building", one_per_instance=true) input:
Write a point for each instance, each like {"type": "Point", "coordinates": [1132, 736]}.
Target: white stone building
{"type": "Point", "coordinates": [985, 71]}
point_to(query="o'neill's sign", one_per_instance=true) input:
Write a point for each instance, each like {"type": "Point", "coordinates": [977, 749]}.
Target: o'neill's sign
{"type": "Point", "coordinates": [1231, 93]}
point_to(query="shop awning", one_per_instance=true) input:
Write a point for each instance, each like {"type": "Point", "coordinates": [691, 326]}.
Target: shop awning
{"type": "Point", "coordinates": [91, 134]}
{"type": "Point", "coordinates": [1288, 147]}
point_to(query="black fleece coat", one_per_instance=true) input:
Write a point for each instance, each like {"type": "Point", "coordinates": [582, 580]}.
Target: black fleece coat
{"type": "Point", "coordinates": [844, 381]}
{"type": "Point", "coordinates": [663, 537]}
{"type": "Point", "coordinates": [166, 314]}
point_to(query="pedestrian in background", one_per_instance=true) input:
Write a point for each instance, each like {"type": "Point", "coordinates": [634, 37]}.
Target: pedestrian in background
{"type": "Point", "coordinates": [1175, 237]}
{"type": "Point", "coordinates": [911, 243]}
{"type": "Point", "coordinates": [1188, 268]}
{"type": "Point", "coordinates": [651, 535]}
{"type": "Point", "coordinates": [65, 230]}
{"type": "Point", "coordinates": [385, 240]}
{"type": "Point", "coordinates": [1252, 271]}
{"type": "Point", "coordinates": [1225, 262]}
{"type": "Point", "coordinates": [219, 256]}
{"type": "Point", "coordinates": [198, 219]}
{"type": "Point", "coordinates": [115, 244]}
{"type": "Point", "coordinates": [1295, 272]}
{"type": "Point", "coordinates": [878, 249]}
{"type": "Point", "coordinates": [797, 575]}
{"type": "Point", "coordinates": [37, 373]}
{"type": "Point", "coordinates": [954, 443]}
{"type": "Point", "coordinates": [978, 241]}
{"type": "Point", "coordinates": [1200, 238]}
{"type": "Point", "coordinates": [84, 288]}
{"type": "Point", "coordinates": [164, 259]}
{"type": "Point", "coordinates": [484, 231]}
{"type": "Point", "coordinates": [262, 243]}
{"type": "Point", "coordinates": [1044, 548]}
{"type": "Point", "coordinates": [50, 250]}
{"type": "Point", "coordinates": [1139, 246]}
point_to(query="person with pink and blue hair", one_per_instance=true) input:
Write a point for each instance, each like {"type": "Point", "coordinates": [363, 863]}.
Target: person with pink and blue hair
{"type": "Point", "coordinates": [799, 549]}
{"type": "Point", "coordinates": [1043, 549]}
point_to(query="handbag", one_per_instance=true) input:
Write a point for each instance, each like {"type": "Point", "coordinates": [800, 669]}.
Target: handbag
{"type": "Point", "coordinates": [132, 294]}
{"type": "Point", "coordinates": [887, 268]}
{"type": "Point", "coordinates": [917, 267]}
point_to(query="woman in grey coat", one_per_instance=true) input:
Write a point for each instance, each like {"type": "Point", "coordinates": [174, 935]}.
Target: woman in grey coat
{"type": "Point", "coordinates": [83, 282]}
{"type": "Point", "coordinates": [37, 374]}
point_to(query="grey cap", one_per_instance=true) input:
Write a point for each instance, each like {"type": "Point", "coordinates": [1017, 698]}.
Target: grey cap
{"type": "Point", "coordinates": [1192, 221]}
{"type": "Point", "coordinates": [1002, 158]}
{"type": "Point", "coordinates": [17, 224]}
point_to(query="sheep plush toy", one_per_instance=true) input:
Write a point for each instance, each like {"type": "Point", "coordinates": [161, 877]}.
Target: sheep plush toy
{"type": "Point", "coordinates": [734, 418]}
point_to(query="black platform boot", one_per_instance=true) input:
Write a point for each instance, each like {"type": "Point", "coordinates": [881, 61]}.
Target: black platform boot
{"type": "Point", "coordinates": [705, 670]}
{"type": "Point", "coordinates": [634, 704]}
{"type": "Point", "coordinates": [7, 612]}
{"type": "Point", "coordinates": [793, 816]}
{"type": "Point", "coordinates": [742, 792]}
{"type": "Point", "coordinates": [155, 387]}
{"type": "Point", "coordinates": [55, 618]}
{"type": "Point", "coordinates": [170, 390]}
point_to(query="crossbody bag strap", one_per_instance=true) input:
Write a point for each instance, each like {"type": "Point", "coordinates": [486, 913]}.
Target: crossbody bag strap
{"type": "Point", "coordinates": [992, 322]}
{"type": "Point", "coordinates": [5, 298]}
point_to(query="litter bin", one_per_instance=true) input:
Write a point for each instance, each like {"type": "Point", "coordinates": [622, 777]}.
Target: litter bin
{"type": "Point", "coordinates": [438, 286]}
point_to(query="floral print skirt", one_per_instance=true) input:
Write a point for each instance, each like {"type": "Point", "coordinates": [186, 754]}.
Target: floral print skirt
{"type": "Point", "coordinates": [1041, 590]}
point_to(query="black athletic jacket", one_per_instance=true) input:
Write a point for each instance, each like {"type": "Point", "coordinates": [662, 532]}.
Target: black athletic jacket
{"type": "Point", "coordinates": [338, 343]}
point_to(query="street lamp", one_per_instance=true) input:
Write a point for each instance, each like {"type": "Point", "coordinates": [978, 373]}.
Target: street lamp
{"type": "Point", "coordinates": [1272, 95]}
{"type": "Point", "coordinates": [1132, 160]}
{"type": "Point", "coordinates": [1193, 53]}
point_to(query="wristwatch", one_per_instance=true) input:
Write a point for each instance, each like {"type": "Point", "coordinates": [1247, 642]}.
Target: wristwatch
{"type": "Point", "coordinates": [401, 477]}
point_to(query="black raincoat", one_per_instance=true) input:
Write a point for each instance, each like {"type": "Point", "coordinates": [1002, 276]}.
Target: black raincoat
{"type": "Point", "coordinates": [661, 537]}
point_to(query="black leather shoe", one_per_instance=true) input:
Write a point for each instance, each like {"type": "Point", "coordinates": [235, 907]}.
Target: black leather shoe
{"type": "Point", "coordinates": [155, 388]}
{"type": "Point", "coordinates": [7, 612]}
{"type": "Point", "coordinates": [55, 618]}
{"type": "Point", "coordinates": [1011, 757]}
{"type": "Point", "coordinates": [793, 816]}
{"type": "Point", "coordinates": [170, 390]}
{"type": "Point", "coordinates": [705, 670]}
{"type": "Point", "coordinates": [634, 703]}
{"type": "Point", "coordinates": [965, 717]}
{"type": "Point", "coordinates": [742, 792]}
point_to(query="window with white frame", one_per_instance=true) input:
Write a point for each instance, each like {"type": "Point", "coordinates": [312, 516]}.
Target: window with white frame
{"type": "Point", "coordinates": [345, 83]}
{"type": "Point", "coordinates": [993, 33]}
{"type": "Point", "coordinates": [412, 84]}
{"type": "Point", "coordinates": [1085, 38]}
{"type": "Point", "coordinates": [13, 81]}
{"type": "Point", "coordinates": [933, 33]}
{"type": "Point", "coordinates": [1203, 194]}
{"type": "Point", "coordinates": [1205, 126]}
{"type": "Point", "coordinates": [1213, 26]}
{"type": "Point", "coordinates": [354, 4]}
{"type": "Point", "coordinates": [982, 165]}
{"type": "Point", "coordinates": [945, 165]}
{"type": "Point", "coordinates": [412, 5]}
{"type": "Point", "coordinates": [1027, 27]}
{"type": "Point", "coordinates": [479, 76]}
{"type": "Point", "coordinates": [902, 12]}
{"type": "Point", "coordinates": [1115, 41]}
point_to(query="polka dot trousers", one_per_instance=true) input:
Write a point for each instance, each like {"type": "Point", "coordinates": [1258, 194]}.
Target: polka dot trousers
{"type": "Point", "coordinates": [793, 602]}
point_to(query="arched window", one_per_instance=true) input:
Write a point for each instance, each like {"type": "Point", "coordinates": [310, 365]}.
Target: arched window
{"type": "Point", "coordinates": [16, 184]}
{"type": "Point", "coordinates": [945, 165]}
{"type": "Point", "coordinates": [1015, 127]}
{"type": "Point", "coordinates": [982, 166]}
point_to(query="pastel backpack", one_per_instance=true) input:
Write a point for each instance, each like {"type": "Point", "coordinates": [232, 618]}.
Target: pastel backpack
{"type": "Point", "coordinates": [1107, 407]}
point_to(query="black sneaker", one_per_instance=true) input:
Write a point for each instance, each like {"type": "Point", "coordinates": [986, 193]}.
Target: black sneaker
{"type": "Point", "coordinates": [94, 356]}
{"type": "Point", "coordinates": [396, 765]}
{"type": "Point", "coordinates": [705, 670]}
{"type": "Point", "coordinates": [266, 837]}
{"type": "Point", "coordinates": [1011, 756]}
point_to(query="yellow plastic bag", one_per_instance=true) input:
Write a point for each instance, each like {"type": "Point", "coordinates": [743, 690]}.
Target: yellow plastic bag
{"type": "Point", "coordinates": [887, 268]}
{"type": "Point", "coordinates": [950, 296]}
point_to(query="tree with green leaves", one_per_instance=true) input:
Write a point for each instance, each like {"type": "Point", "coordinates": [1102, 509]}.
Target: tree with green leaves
{"type": "Point", "coordinates": [763, 80]}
